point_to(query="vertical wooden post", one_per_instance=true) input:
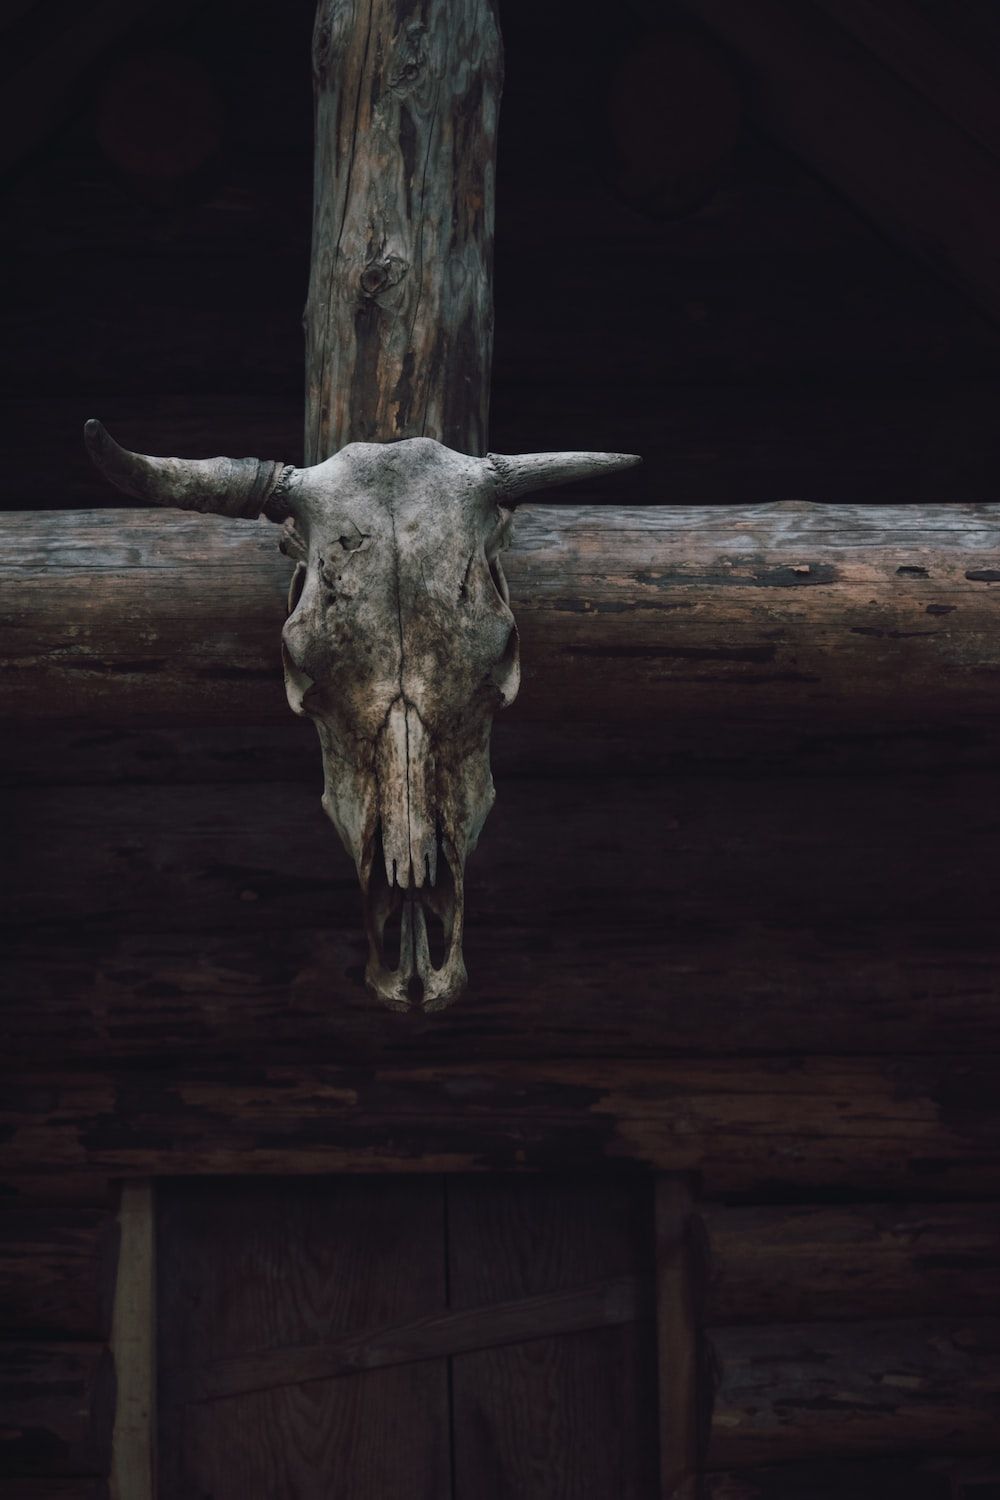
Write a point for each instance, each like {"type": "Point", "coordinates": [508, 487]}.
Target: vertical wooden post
{"type": "Point", "coordinates": [399, 321]}
{"type": "Point", "coordinates": [677, 1340]}
{"type": "Point", "coordinates": [133, 1345]}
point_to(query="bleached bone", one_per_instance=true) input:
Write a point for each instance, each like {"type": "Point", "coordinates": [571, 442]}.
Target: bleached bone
{"type": "Point", "coordinates": [401, 646]}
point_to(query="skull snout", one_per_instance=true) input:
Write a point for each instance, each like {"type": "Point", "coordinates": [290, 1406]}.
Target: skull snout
{"type": "Point", "coordinates": [413, 899]}
{"type": "Point", "coordinates": [404, 771]}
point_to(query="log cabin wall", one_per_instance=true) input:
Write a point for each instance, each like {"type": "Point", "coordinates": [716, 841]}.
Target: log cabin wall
{"type": "Point", "coordinates": [747, 934]}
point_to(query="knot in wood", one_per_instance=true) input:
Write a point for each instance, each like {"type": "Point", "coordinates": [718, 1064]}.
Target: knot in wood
{"type": "Point", "coordinates": [382, 272]}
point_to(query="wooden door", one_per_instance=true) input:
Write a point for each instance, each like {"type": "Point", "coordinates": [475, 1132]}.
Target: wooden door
{"type": "Point", "coordinates": [407, 1339]}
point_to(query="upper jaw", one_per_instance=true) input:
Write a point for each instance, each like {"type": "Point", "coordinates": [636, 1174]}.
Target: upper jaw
{"type": "Point", "coordinates": [413, 982]}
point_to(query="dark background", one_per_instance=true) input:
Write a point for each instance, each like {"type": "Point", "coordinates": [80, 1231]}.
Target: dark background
{"type": "Point", "coordinates": [671, 278]}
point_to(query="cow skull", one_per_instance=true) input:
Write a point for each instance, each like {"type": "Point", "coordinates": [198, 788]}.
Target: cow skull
{"type": "Point", "coordinates": [400, 645]}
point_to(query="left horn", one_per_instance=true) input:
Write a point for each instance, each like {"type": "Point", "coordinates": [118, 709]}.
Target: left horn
{"type": "Point", "coordinates": [520, 473]}
{"type": "Point", "coordinates": [238, 487]}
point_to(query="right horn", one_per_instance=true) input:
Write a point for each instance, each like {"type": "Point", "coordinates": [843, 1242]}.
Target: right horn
{"type": "Point", "coordinates": [520, 473]}
{"type": "Point", "coordinates": [239, 487]}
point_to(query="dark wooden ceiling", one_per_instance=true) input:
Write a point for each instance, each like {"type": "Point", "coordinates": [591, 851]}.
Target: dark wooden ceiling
{"type": "Point", "coordinates": [761, 288]}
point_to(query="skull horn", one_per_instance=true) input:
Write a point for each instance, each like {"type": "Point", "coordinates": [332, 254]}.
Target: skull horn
{"type": "Point", "coordinates": [238, 487]}
{"type": "Point", "coordinates": [521, 473]}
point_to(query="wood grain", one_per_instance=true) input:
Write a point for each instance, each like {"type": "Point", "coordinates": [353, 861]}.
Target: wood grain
{"type": "Point", "coordinates": [247, 1267]}
{"type": "Point", "coordinates": [565, 1415]}
{"type": "Point", "coordinates": [399, 320]}
{"type": "Point", "coordinates": [802, 1263]}
{"type": "Point", "coordinates": [602, 1304]}
{"type": "Point", "coordinates": [919, 1127]}
{"type": "Point", "coordinates": [850, 1389]}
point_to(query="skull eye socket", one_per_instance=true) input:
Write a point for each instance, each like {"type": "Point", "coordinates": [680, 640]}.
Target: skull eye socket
{"type": "Point", "coordinates": [296, 586]}
{"type": "Point", "coordinates": [499, 581]}
{"type": "Point", "coordinates": [507, 672]}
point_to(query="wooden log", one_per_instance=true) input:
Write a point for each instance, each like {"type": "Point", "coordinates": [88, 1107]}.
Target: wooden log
{"type": "Point", "coordinates": [145, 923]}
{"type": "Point", "coordinates": [791, 1264]}
{"type": "Point", "coordinates": [812, 1390]}
{"type": "Point", "coordinates": [915, 173]}
{"type": "Point", "coordinates": [904, 1476]}
{"type": "Point", "coordinates": [913, 1126]}
{"type": "Point", "coordinates": [260, 755]}
{"type": "Point", "coordinates": [786, 614]}
{"type": "Point", "coordinates": [197, 998]}
{"type": "Point", "coordinates": [56, 1409]}
{"type": "Point", "coordinates": [57, 1271]}
{"type": "Point", "coordinates": [399, 321]}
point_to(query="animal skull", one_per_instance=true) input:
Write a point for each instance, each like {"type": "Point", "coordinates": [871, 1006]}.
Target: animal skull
{"type": "Point", "coordinates": [400, 645]}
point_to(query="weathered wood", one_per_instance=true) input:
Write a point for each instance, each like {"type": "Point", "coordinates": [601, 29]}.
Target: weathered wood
{"type": "Point", "coordinates": [57, 1271]}
{"type": "Point", "coordinates": [57, 1405]}
{"type": "Point", "coordinates": [133, 1348]}
{"type": "Point", "coordinates": [910, 169]}
{"type": "Point", "coordinates": [678, 1317]}
{"type": "Point", "coordinates": [914, 1126]}
{"type": "Point", "coordinates": [250, 1266]}
{"type": "Point", "coordinates": [567, 1414]}
{"type": "Point", "coordinates": [840, 1390]}
{"type": "Point", "coordinates": [143, 923]}
{"type": "Point", "coordinates": [790, 613]}
{"type": "Point", "coordinates": [260, 755]}
{"type": "Point", "coordinates": [604, 1304]}
{"type": "Point", "coordinates": [399, 321]}
{"type": "Point", "coordinates": [779, 1264]}
{"type": "Point", "coordinates": [901, 1477]}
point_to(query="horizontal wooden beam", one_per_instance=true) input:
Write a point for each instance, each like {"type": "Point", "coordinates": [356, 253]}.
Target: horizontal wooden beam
{"type": "Point", "coordinates": [837, 1390]}
{"type": "Point", "coordinates": [218, 923]}
{"type": "Point", "coordinates": [717, 620]}
{"type": "Point", "coordinates": [606, 1304]}
{"type": "Point", "coordinates": [900, 1476]}
{"type": "Point", "coordinates": [781, 1263]}
{"type": "Point", "coordinates": [915, 1126]}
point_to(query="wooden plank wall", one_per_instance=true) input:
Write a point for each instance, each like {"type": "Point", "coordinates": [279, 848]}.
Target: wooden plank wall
{"type": "Point", "coordinates": [725, 1000]}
